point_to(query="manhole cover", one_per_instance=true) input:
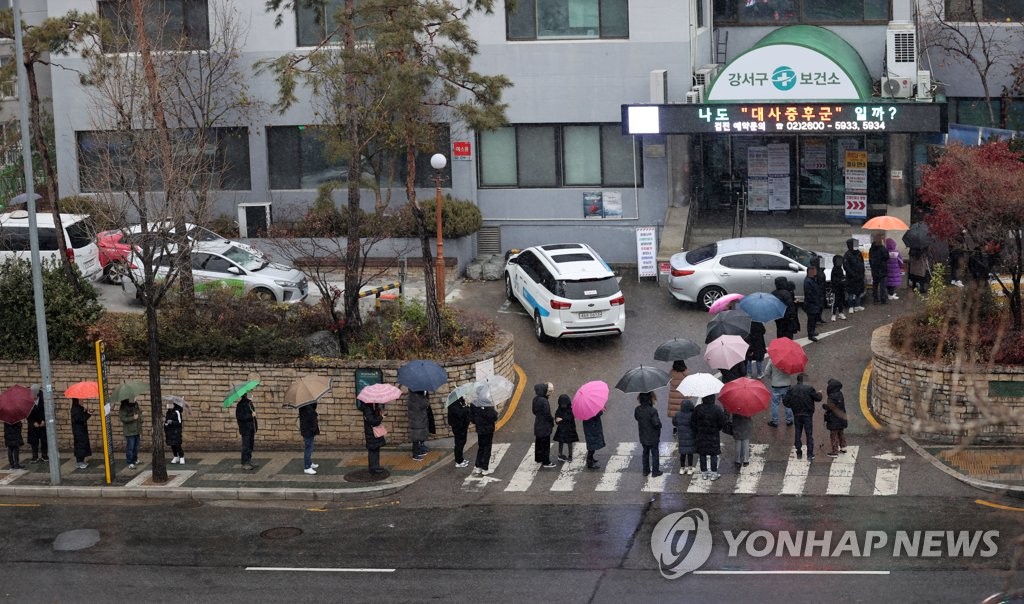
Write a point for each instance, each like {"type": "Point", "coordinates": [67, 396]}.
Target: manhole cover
{"type": "Point", "coordinates": [365, 476]}
{"type": "Point", "coordinates": [281, 532]}
{"type": "Point", "coordinates": [77, 539]}
{"type": "Point", "coordinates": [188, 504]}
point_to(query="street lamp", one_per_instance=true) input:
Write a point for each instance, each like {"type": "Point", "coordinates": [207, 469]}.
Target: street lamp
{"type": "Point", "coordinates": [438, 161]}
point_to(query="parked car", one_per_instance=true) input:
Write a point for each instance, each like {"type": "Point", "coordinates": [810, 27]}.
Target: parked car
{"type": "Point", "coordinates": [568, 290]}
{"type": "Point", "coordinates": [78, 235]}
{"type": "Point", "coordinates": [741, 266]}
{"type": "Point", "coordinates": [226, 264]}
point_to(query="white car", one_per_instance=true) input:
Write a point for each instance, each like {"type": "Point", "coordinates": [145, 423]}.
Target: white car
{"type": "Point", "coordinates": [568, 290]}
{"type": "Point", "coordinates": [79, 235]}
{"type": "Point", "coordinates": [226, 264]}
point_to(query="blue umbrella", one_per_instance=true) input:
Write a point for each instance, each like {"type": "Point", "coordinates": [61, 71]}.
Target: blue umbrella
{"type": "Point", "coordinates": [763, 307]}
{"type": "Point", "coordinates": [425, 376]}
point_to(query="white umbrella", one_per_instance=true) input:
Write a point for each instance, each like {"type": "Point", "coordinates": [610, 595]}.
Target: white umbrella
{"type": "Point", "coordinates": [699, 385]}
{"type": "Point", "coordinates": [493, 389]}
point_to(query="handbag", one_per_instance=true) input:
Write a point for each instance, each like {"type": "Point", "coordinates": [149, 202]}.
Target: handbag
{"type": "Point", "coordinates": [727, 428]}
{"type": "Point", "coordinates": [380, 431]}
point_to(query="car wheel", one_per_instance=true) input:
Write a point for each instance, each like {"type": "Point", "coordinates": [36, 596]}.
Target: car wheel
{"type": "Point", "coordinates": [538, 328]}
{"type": "Point", "coordinates": [709, 295]}
{"type": "Point", "coordinates": [508, 288]}
{"type": "Point", "coordinates": [116, 272]}
{"type": "Point", "coordinates": [264, 294]}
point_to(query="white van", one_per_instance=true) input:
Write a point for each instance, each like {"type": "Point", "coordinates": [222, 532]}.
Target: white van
{"type": "Point", "coordinates": [78, 234]}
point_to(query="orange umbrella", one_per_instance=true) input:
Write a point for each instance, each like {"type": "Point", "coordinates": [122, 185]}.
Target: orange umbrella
{"type": "Point", "coordinates": [83, 390]}
{"type": "Point", "coordinates": [886, 223]}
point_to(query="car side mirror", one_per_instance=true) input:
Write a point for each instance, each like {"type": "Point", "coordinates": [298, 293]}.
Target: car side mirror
{"type": "Point", "coordinates": [234, 270]}
{"type": "Point", "coordinates": [794, 267]}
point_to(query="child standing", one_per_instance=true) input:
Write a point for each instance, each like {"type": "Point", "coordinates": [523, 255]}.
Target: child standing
{"type": "Point", "coordinates": [649, 425]}
{"type": "Point", "coordinates": [687, 438]}
{"type": "Point", "coordinates": [13, 440]}
{"type": "Point", "coordinates": [835, 416]}
{"type": "Point", "coordinates": [565, 427]}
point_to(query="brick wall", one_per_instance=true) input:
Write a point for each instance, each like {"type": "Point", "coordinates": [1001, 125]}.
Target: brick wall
{"type": "Point", "coordinates": [205, 384]}
{"type": "Point", "coordinates": [931, 401]}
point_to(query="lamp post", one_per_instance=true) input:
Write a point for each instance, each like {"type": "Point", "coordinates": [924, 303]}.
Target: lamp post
{"type": "Point", "coordinates": [438, 161]}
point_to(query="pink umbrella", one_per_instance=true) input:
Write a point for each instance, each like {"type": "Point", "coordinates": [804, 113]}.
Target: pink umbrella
{"type": "Point", "coordinates": [724, 302]}
{"type": "Point", "coordinates": [725, 351]}
{"type": "Point", "coordinates": [378, 394]}
{"type": "Point", "coordinates": [590, 399]}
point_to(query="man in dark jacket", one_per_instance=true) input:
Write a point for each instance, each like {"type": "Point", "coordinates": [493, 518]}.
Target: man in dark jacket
{"type": "Point", "coordinates": [458, 419]}
{"type": "Point", "coordinates": [649, 426]}
{"type": "Point", "coordinates": [787, 326]}
{"type": "Point", "coordinates": [309, 428]}
{"type": "Point", "coordinates": [543, 423]}
{"type": "Point", "coordinates": [419, 423]}
{"type": "Point", "coordinates": [37, 429]}
{"type": "Point", "coordinates": [801, 398]}
{"type": "Point", "coordinates": [814, 302]}
{"type": "Point", "coordinates": [853, 267]}
{"type": "Point", "coordinates": [245, 415]}
{"type": "Point", "coordinates": [484, 418]}
{"type": "Point", "coordinates": [878, 259]}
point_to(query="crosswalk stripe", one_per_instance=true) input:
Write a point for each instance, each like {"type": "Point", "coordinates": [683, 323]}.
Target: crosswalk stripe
{"type": "Point", "coordinates": [525, 473]}
{"type": "Point", "coordinates": [840, 474]}
{"type": "Point", "coordinates": [697, 483]}
{"type": "Point", "coordinates": [566, 479]}
{"type": "Point", "coordinates": [666, 453]}
{"type": "Point", "coordinates": [616, 464]}
{"type": "Point", "coordinates": [795, 478]}
{"type": "Point", "coordinates": [887, 481]}
{"type": "Point", "coordinates": [474, 482]}
{"type": "Point", "coordinates": [750, 476]}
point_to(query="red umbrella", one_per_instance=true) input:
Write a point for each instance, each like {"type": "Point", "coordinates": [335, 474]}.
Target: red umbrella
{"type": "Point", "coordinates": [83, 390]}
{"type": "Point", "coordinates": [15, 404]}
{"type": "Point", "coordinates": [745, 396]}
{"type": "Point", "coordinates": [787, 355]}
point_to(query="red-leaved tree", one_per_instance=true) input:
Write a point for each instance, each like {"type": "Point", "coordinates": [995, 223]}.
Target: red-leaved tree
{"type": "Point", "coordinates": [978, 192]}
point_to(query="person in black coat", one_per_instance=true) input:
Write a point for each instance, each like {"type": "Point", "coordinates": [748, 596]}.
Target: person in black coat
{"type": "Point", "coordinates": [878, 260]}
{"type": "Point", "coordinates": [593, 433]}
{"type": "Point", "coordinates": [373, 416]}
{"type": "Point", "coordinates": [838, 289]}
{"type": "Point", "coordinates": [756, 350]}
{"type": "Point", "coordinates": [484, 417]}
{"type": "Point", "coordinates": [853, 268]}
{"type": "Point", "coordinates": [788, 325]}
{"type": "Point", "coordinates": [245, 416]}
{"type": "Point", "coordinates": [419, 423]}
{"type": "Point", "coordinates": [565, 427]}
{"type": "Point", "coordinates": [458, 419]}
{"type": "Point", "coordinates": [543, 423]}
{"type": "Point", "coordinates": [309, 428]}
{"type": "Point", "coordinates": [173, 430]}
{"type": "Point", "coordinates": [80, 433]}
{"type": "Point", "coordinates": [649, 427]}
{"type": "Point", "coordinates": [14, 442]}
{"type": "Point", "coordinates": [707, 422]}
{"type": "Point", "coordinates": [814, 302]}
{"type": "Point", "coordinates": [801, 398]}
{"type": "Point", "coordinates": [37, 428]}
{"type": "Point", "coordinates": [835, 416]}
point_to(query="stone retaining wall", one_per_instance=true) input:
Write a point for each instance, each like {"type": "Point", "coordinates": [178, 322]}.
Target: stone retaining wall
{"type": "Point", "coordinates": [205, 384]}
{"type": "Point", "coordinates": [917, 396]}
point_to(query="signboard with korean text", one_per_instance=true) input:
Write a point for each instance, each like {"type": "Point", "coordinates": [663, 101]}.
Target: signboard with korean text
{"type": "Point", "coordinates": [784, 118]}
{"type": "Point", "coordinates": [757, 179]}
{"type": "Point", "coordinates": [856, 205]}
{"type": "Point", "coordinates": [646, 252]}
{"type": "Point", "coordinates": [778, 176]}
{"type": "Point", "coordinates": [783, 71]}
{"type": "Point", "coordinates": [462, 150]}
{"type": "Point", "coordinates": [856, 164]}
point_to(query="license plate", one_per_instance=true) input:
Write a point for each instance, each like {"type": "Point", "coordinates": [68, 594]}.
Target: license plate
{"type": "Point", "coordinates": [591, 314]}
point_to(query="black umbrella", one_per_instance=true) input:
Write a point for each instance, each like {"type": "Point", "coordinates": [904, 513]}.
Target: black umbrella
{"type": "Point", "coordinates": [425, 376]}
{"type": "Point", "coordinates": [917, 236]}
{"type": "Point", "coordinates": [728, 323]}
{"type": "Point", "coordinates": [676, 349]}
{"type": "Point", "coordinates": [643, 379]}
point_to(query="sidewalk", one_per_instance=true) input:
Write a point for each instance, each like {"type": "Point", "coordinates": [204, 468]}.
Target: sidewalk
{"type": "Point", "coordinates": [989, 467]}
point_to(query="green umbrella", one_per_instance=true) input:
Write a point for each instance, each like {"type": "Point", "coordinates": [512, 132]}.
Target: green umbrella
{"type": "Point", "coordinates": [129, 390]}
{"type": "Point", "coordinates": [239, 391]}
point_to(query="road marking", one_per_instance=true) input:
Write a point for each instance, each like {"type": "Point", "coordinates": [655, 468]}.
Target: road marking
{"type": "Point", "coordinates": [697, 482]}
{"type": "Point", "coordinates": [791, 572]}
{"type": "Point", "coordinates": [516, 396]}
{"type": "Point", "coordinates": [615, 466]}
{"type": "Point", "coordinates": [750, 476]}
{"type": "Point", "coordinates": [566, 480]}
{"type": "Point", "coordinates": [998, 506]}
{"type": "Point", "coordinates": [666, 453]}
{"type": "Point", "coordinates": [511, 308]}
{"type": "Point", "coordinates": [887, 480]}
{"type": "Point", "coordinates": [840, 474]}
{"type": "Point", "coordinates": [821, 334]}
{"type": "Point", "coordinates": [20, 505]}
{"type": "Point", "coordinates": [796, 475]}
{"type": "Point", "coordinates": [525, 473]}
{"type": "Point", "coordinates": [318, 570]}
{"type": "Point", "coordinates": [474, 482]}
{"type": "Point", "coordinates": [864, 409]}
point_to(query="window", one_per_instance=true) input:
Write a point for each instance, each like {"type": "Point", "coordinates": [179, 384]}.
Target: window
{"type": "Point", "coordinates": [1005, 113]}
{"type": "Point", "coordinates": [313, 23]}
{"type": "Point", "coordinates": [739, 261]}
{"type": "Point", "coordinates": [558, 156]}
{"type": "Point", "coordinates": [772, 263]}
{"type": "Point", "coordinates": [759, 12]}
{"type": "Point", "coordinates": [9, 87]}
{"type": "Point", "coordinates": [216, 264]}
{"type": "Point", "coordinates": [108, 160]}
{"type": "Point", "coordinates": [984, 10]}
{"type": "Point", "coordinates": [299, 160]}
{"type": "Point", "coordinates": [547, 19]}
{"type": "Point", "coordinates": [699, 8]}
{"type": "Point", "coordinates": [174, 25]}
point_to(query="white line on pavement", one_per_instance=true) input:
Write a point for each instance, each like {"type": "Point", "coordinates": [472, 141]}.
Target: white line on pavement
{"type": "Point", "coordinates": [796, 475]}
{"type": "Point", "coordinates": [791, 572]}
{"type": "Point", "coordinates": [840, 475]}
{"type": "Point", "coordinates": [750, 476]}
{"type": "Point", "coordinates": [887, 481]}
{"type": "Point", "coordinates": [476, 483]}
{"type": "Point", "coordinates": [525, 473]}
{"type": "Point", "coordinates": [570, 470]}
{"type": "Point", "coordinates": [319, 570]}
{"type": "Point", "coordinates": [666, 453]}
{"type": "Point", "coordinates": [615, 465]}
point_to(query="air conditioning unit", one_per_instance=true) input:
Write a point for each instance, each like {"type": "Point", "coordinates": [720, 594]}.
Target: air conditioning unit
{"type": "Point", "coordinates": [692, 97]}
{"type": "Point", "coordinates": [705, 75]}
{"type": "Point", "coordinates": [701, 92]}
{"type": "Point", "coordinates": [897, 88]}
{"type": "Point", "coordinates": [901, 50]}
{"type": "Point", "coordinates": [924, 86]}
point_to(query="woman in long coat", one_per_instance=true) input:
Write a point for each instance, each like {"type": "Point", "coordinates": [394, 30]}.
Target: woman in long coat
{"type": "Point", "coordinates": [687, 436]}
{"type": "Point", "coordinates": [894, 269]}
{"type": "Point", "coordinates": [373, 415]}
{"type": "Point", "coordinates": [756, 350]}
{"type": "Point", "coordinates": [707, 422]}
{"type": "Point", "coordinates": [80, 433]}
{"type": "Point", "coordinates": [675, 377]}
{"type": "Point", "coordinates": [593, 433]}
{"type": "Point", "coordinates": [173, 431]}
{"type": "Point", "coordinates": [419, 423]}
{"type": "Point", "coordinates": [543, 422]}
{"type": "Point", "coordinates": [853, 268]}
{"type": "Point", "coordinates": [565, 427]}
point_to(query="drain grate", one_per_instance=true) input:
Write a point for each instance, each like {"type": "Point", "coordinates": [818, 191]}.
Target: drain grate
{"type": "Point", "coordinates": [366, 476]}
{"type": "Point", "coordinates": [281, 532]}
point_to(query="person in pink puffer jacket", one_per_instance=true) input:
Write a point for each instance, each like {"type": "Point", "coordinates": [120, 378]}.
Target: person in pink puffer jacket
{"type": "Point", "coordinates": [894, 274]}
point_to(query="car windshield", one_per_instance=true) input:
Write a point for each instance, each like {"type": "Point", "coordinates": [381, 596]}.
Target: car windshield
{"type": "Point", "coordinates": [586, 289]}
{"type": "Point", "coordinates": [799, 254]}
{"type": "Point", "coordinates": [198, 233]}
{"type": "Point", "coordinates": [244, 259]}
{"type": "Point", "coordinates": [702, 254]}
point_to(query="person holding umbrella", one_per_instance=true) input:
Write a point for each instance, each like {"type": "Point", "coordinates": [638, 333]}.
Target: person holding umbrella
{"type": "Point", "coordinates": [779, 383]}
{"type": "Point", "coordinates": [374, 433]}
{"type": "Point", "coordinates": [707, 422]}
{"type": "Point", "coordinates": [588, 404]}
{"type": "Point", "coordinates": [131, 419]}
{"type": "Point", "coordinates": [789, 324]}
{"type": "Point", "coordinates": [878, 259]}
{"type": "Point", "coordinates": [245, 416]}
{"type": "Point", "coordinates": [756, 350]}
{"type": "Point", "coordinates": [458, 419]}
{"type": "Point", "coordinates": [309, 428]}
{"type": "Point", "coordinates": [543, 423]}
{"type": "Point", "coordinates": [484, 418]}
{"type": "Point", "coordinates": [80, 433]}
{"type": "Point", "coordinates": [919, 270]}
{"type": "Point", "coordinates": [675, 398]}
{"type": "Point", "coordinates": [14, 442]}
{"type": "Point", "coordinates": [418, 407]}
{"type": "Point", "coordinates": [593, 434]}
{"type": "Point", "coordinates": [649, 426]}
